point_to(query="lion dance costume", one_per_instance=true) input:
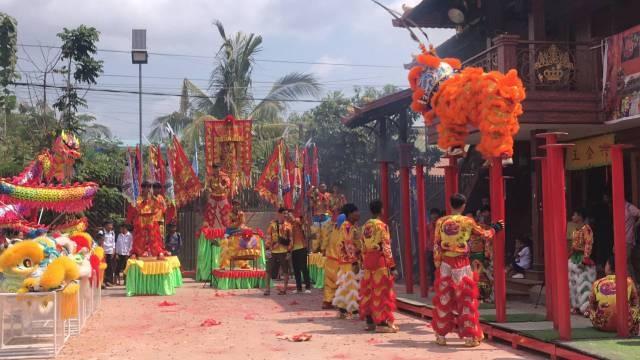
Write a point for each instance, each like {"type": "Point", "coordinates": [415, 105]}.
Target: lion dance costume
{"type": "Point", "coordinates": [320, 225]}
{"type": "Point", "coordinates": [490, 102]}
{"type": "Point", "coordinates": [582, 270]}
{"type": "Point", "coordinates": [456, 286]}
{"type": "Point", "coordinates": [331, 249]}
{"type": "Point", "coordinates": [602, 305]}
{"type": "Point", "coordinates": [147, 238]}
{"type": "Point", "coordinates": [377, 296]}
{"type": "Point", "coordinates": [346, 295]}
{"type": "Point", "coordinates": [480, 251]}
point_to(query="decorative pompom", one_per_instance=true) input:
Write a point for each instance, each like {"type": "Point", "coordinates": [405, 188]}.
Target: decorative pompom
{"type": "Point", "coordinates": [428, 60]}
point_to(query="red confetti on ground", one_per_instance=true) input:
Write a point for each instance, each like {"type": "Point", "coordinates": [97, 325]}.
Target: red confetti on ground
{"type": "Point", "coordinates": [294, 303]}
{"type": "Point", "coordinates": [210, 322]}
{"type": "Point", "coordinates": [296, 338]}
{"type": "Point", "coordinates": [166, 303]}
{"type": "Point", "coordinates": [279, 333]}
{"type": "Point", "coordinates": [428, 325]}
{"type": "Point", "coordinates": [311, 320]}
{"type": "Point", "coordinates": [373, 341]}
{"type": "Point", "coordinates": [249, 317]}
{"type": "Point", "coordinates": [299, 313]}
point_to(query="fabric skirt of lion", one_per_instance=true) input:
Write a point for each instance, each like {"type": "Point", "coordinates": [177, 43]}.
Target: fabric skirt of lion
{"type": "Point", "coordinates": [581, 278]}
{"type": "Point", "coordinates": [456, 294]}
{"type": "Point", "coordinates": [377, 296]}
{"type": "Point", "coordinates": [346, 297]}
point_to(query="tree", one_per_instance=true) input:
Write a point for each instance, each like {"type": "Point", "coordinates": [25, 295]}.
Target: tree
{"type": "Point", "coordinates": [230, 91]}
{"type": "Point", "coordinates": [78, 49]}
{"type": "Point", "coordinates": [8, 60]}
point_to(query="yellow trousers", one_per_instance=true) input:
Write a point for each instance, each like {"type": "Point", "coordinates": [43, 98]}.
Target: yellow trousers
{"type": "Point", "coordinates": [330, 277]}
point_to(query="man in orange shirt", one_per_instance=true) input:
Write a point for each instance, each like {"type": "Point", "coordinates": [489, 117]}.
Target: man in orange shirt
{"type": "Point", "coordinates": [300, 253]}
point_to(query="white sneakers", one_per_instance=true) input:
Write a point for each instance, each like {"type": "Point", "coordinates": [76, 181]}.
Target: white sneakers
{"type": "Point", "coordinates": [517, 276]}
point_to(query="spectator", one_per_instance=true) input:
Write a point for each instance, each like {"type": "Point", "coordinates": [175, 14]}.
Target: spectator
{"type": "Point", "coordinates": [299, 254]}
{"type": "Point", "coordinates": [173, 242]}
{"type": "Point", "coordinates": [277, 247]}
{"type": "Point", "coordinates": [522, 260]}
{"type": "Point", "coordinates": [434, 215]}
{"type": "Point", "coordinates": [603, 230]}
{"type": "Point", "coordinates": [124, 242]}
{"type": "Point", "coordinates": [631, 219]}
{"type": "Point", "coordinates": [484, 215]}
{"type": "Point", "coordinates": [109, 246]}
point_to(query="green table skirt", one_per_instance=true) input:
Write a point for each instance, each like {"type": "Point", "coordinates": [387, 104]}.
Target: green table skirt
{"type": "Point", "coordinates": [244, 283]}
{"type": "Point", "coordinates": [317, 276]}
{"type": "Point", "coordinates": [207, 260]}
{"type": "Point", "coordinates": [138, 283]}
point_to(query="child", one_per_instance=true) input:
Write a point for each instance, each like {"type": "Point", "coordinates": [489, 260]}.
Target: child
{"type": "Point", "coordinates": [173, 242]}
{"type": "Point", "coordinates": [522, 259]}
{"type": "Point", "coordinates": [123, 250]}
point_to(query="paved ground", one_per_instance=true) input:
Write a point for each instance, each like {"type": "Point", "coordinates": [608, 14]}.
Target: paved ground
{"type": "Point", "coordinates": [250, 326]}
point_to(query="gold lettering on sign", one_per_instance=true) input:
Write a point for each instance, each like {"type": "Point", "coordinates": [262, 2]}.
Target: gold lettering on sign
{"type": "Point", "coordinates": [553, 65]}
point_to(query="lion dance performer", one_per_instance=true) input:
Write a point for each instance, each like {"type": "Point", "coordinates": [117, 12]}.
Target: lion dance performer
{"type": "Point", "coordinates": [377, 296]}
{"type": "Point", "coordinates": [456, 286]}
{"type": "Point", "coordinates": [602, 302]}
{"type": "Point", "coordinates": [582, 270]}
{"type": "Point", "coordinates": [218, 208]}
{"type": "Point", "coordinates": [147, 239]}
{"type": "Point", "coordinates": [161, 209]}
{"type": "Point", "coordinates": [347, 240]}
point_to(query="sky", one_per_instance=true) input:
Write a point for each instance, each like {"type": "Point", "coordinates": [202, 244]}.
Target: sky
{"type": "Point", "coordinates": [352, 32]}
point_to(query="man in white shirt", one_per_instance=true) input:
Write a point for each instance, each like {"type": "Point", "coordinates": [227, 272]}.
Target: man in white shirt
{"type": "Point", "coordinates": [123, 250]}
{"type": "Point", "coordinates": [109, 246]}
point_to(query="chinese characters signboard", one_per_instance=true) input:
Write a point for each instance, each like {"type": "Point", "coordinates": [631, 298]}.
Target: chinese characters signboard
{"type": "Point", "coordinates": [622, 93]}
{"type": "Point", "coordinates": [589, 153]}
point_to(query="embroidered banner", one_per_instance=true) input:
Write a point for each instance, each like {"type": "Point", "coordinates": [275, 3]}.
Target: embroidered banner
{"type": "Point", "coordinates": [186, 185]}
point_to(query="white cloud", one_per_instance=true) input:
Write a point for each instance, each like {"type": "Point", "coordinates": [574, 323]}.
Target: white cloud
{"type": "Point", "coordinates": [322, 70]}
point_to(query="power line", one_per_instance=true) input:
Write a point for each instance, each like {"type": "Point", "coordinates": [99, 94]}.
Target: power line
{"type": "Point", "coordinates": [152, 93]}
{"type": "Point", "coordinates": [213, 57]}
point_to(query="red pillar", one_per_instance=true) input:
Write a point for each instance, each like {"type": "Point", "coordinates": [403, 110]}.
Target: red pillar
{"type": "Point", "coordinates": [551, 216]}
{"type": "Point", "coordinates": [561, 273]}
{"type": "Point", "coordinates": [406, 224]}
{"type": "Point", "coordinates": [619, 239]}
{"type": "Point", "coordinates": [422, 230]}
{"type": "Point", "coordinates": [384, 190]}
{"type": "Point", "coordinates": [496, 182]}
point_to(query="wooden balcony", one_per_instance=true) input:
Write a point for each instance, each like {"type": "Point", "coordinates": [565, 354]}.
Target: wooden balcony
{"type": "Point", "coordinates": [562, 79]}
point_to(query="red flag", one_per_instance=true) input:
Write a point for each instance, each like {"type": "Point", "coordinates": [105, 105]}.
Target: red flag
{"type": "Point", "coordinates": [268, 186]}
{"type": "Point", "coordinates": [157, 165]}
{"type": "Point", "coordinates": [186, 184]}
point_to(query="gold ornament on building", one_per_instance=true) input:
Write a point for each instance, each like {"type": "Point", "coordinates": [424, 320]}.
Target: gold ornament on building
{"type": "Point", "coordinates": [553, 65]}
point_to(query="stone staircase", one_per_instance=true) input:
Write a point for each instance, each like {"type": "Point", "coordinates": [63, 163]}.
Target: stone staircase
{"type": "Point", "coordinates": [526, 289]}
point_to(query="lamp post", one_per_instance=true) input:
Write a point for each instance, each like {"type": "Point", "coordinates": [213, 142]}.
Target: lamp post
{"type": "Point", "coordinates": [139, 56]}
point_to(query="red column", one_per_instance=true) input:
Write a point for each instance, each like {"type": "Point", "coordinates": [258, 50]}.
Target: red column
{"type": "Point", "coordinates": [561, 273]}
{"type": "Point", "coordinates": [619, 239]}
{"type": "Point", "coordinates": [422, 230]}
{"type": "Point", "coordinates": [496, 182]}
{"type": "Point", "coordinates": [406, 224]}
{"type": "Point", "coordinates": [384, 190]}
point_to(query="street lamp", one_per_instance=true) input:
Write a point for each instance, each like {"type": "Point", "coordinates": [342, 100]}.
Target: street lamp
{"type": "Point", "coordinates": [139, 56]}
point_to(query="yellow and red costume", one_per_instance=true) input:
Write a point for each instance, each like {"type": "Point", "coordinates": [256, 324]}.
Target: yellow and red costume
{"type": "Point", "coordinates": [320, 225]}
{"type": "Point", "coordinates": [582, 270]}
{"type": "Point", "coordinates": [602, 305]}
{"type": "Point", "coordinates": [147, 239]}
{"type": "Point", "coordinates": [218, 209]}
{"type": "Point", "coordinates": [480, 251]}
{"type": "Point", "coordinates": [330, 248]}
{"type": "Point", "coordinates": [456, 288]}
{"type": "Point", "coordinates": [377, 296]}
{"type": "Point", "coordinates": [160, 213]}
{"type": "Point", "coordinates": [347, 243]}
{"type": "Point", "coordinates": [336, 202]}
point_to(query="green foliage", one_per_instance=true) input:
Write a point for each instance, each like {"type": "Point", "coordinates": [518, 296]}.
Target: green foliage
{"type": "Point", "coordinates": [8, 60]}
{"type": "Point", "coordinates": [78, 50]}
{"type": "Point", "coordinates": [231, 93]}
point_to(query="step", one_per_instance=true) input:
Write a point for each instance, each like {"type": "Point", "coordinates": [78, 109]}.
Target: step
{"type": "Point", "coordinates": [522, 284]}
{"type": "Point", "coordinates": [534, 275]}
{"type": "Point", "coordinates": [517, 294]}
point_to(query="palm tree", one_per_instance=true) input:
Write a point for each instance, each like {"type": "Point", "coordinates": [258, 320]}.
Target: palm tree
{"type": "Point", "coordinates": [230, 91]}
